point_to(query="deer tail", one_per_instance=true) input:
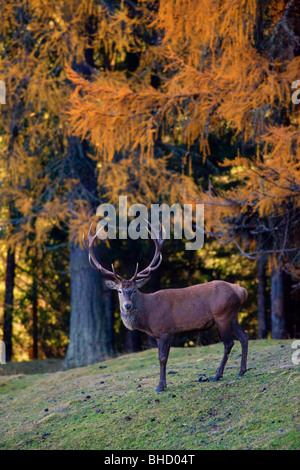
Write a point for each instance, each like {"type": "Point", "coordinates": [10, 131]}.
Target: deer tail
{"type": "Point", "coordinates": [242, 293]}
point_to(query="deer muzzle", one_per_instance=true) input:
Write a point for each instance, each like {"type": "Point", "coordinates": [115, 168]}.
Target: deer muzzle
{"type": "Point", "coordinates": [127, 305]}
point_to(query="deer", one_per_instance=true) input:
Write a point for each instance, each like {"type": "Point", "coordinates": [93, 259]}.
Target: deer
{"type": "Point", "coordinates": [169, 311]}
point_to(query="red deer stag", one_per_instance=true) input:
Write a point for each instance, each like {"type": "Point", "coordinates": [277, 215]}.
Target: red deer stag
{"type": "Point", "coordinates": [170, 311]}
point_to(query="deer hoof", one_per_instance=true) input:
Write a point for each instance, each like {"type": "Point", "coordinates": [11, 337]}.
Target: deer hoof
{"type": "Point", "coordinates": [216, 379]}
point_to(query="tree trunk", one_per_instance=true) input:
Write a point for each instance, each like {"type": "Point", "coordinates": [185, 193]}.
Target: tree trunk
{"type": "Point", "coordinates": [91, 322]}
{"type": "Point", "coordinates": [277, 305]}
{"type": "Point", "coordinates": [259, 24]}
{"type": "Point", "coordinates": [89, 342]}
{"type": "Point", "coordinates": [90, 338]}
{"type": "Point", "coordinates": [292, 307]}
{"type": "Point", "coordinates": [34, 318]}
{"type": "Point", "coordinates": [109, 309]}
{"type": "Point", "coordinates": [8, 303]}
{"type": "Point", "coordinates": [133, 341]}
{"type": "Point", "coordinates": [262, 298]}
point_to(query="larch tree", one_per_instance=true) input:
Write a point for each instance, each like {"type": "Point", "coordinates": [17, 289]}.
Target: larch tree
{"type": "Point", "coordinates": [25, 135]}
{"type": "Point", "coordinates": [48, 178]}
{"type": "Point", "coordinates": [218, 66]}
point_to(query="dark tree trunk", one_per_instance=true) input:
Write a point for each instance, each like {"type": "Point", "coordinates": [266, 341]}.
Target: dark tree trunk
{"type": "Point", "coordinates": [259, 24]}
{"type": "Point", "coordinates": [35, 328]}
{"type": "Point", "coordinates": [277, 305]}
{"type": "Point", "coordinates": [109, 308]}
{"type": "Point", "coordinates": [91, 324]}
{"type": "Point", "coordinates": [8, 303]}
{"type": "Point", "coordinates": [91, 321]}
{"type": "Point", "coordinates": [262, 298]}
{"type": "Point", "coordinates": [133, 341]}
{"type": "Point", "coordinates": [292, 307]}
{"type": "Point", "coordinates": [89, 341]}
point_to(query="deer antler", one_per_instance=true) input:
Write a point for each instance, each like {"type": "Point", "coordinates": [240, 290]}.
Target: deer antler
{"type": "Point", "coordinates": [157, 258]}
{"type": "Point", "coordinates": [92, 257]}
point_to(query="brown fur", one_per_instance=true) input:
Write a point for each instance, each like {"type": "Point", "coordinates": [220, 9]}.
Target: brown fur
{"type": "Point", "coordinates": [170, 311]}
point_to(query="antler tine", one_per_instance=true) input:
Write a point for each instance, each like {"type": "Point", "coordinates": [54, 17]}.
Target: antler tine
{"type": "Point", "coordinates": [136, 271]}
{"type": "Point", "coordinates": [116, 275]}
{"type": "Point", "coordinates": [92, 257]}
{"type": "Point", "coordinates": [147, 271]}
{"type": "Point", "coordinates": [158, 241]}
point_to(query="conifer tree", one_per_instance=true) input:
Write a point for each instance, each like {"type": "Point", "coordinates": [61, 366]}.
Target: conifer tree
{"type": "Point", "coordinates": [39, 163]}
{"type": "Point", "coordinates": [220, 65]}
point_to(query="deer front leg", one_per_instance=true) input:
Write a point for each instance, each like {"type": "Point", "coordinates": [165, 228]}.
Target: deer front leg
{"type": "Point", "coordinates": [163, 344]}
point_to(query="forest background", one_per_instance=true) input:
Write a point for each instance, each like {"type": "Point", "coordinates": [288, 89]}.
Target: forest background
{"type": "Point", "coordinates": [164, 102]}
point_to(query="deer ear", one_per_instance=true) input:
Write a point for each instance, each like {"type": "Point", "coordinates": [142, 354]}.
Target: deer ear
{"type": "Point", "coordinates": [140, 282]}
{"type": "Point", "coordinates": [111, 284]}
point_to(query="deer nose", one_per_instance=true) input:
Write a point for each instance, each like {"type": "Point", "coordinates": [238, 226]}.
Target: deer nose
{"type": "Point", "coordinates": [128, 305]}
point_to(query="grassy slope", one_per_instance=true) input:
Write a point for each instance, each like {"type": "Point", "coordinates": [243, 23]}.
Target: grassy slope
{"type": "Point", "coordinates": [113, 405]}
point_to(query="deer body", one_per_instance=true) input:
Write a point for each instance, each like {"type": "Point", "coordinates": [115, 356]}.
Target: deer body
{"type": "Point", "coordinates": [167, 312]}
{"type": "Point", "coordinates": [171, 311]}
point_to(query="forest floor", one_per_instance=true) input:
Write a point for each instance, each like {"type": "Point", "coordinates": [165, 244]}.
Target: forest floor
{"type": "Point", "coordinates": [113, 405]}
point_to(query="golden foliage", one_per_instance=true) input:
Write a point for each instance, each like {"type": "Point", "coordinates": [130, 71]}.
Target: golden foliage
{"type": "Point", "coordinates": [212, 77]}
{"type": "Point", "coordinates": [38, 39]}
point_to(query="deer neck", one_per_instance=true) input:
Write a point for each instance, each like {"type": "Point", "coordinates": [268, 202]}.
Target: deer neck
{"type": "Point", "coordinates": [135, 319]}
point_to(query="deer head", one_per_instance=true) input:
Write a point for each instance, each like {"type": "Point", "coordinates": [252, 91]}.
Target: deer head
{"type": "Point", "coordinates": [127, 289]}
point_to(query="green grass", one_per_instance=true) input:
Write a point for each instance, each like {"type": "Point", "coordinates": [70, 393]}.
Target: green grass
{"type": "Point", "coordinates": [113, 405]}
{"type": "Point", "coordinates": [31, 367]}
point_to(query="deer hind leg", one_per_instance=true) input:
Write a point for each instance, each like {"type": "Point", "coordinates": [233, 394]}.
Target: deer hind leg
{"type": "Point", "coordinates": [226, 337]}
{"type": "Point", "coordinates": [164, 343]}
{"type": "Point", "coordinates": [243, 338]}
